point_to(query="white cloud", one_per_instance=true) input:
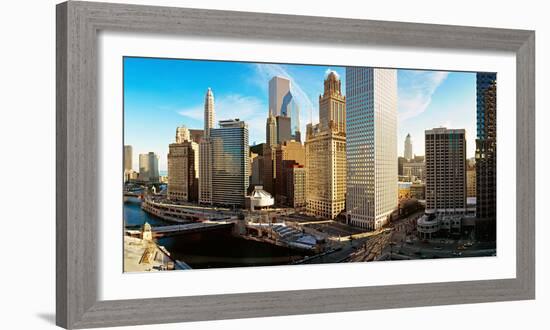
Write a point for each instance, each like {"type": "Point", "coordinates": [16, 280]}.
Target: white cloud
{"type": "Point", "coordinates": [195, 112]}
{"type": "Point", "coordinates": [416, 91]}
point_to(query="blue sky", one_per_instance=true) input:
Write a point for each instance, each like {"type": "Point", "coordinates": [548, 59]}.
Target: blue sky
{"type": "Point", "coordinates": [162, 94]}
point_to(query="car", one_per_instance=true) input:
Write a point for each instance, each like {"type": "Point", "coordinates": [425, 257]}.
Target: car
{"type": "Point", "coordinates": [457, 254]}
{"type": "Point", "coordinates": [438, 248]}
{"type": "Point", "coordinates": [468, 244]}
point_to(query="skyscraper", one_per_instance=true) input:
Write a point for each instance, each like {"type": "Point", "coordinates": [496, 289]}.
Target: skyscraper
{"type": "Point", "coordinates": [287, 154]}
{"type": "Point", "coordinates": [183, 159]}
{"type": "Point", "coordinates": [143, 167]}
{"type": "Point", "coordinates": [271, 130]}
{"type": "Point", "coordinates": [486, 154]}
{"type": "Point", "coordinates": [283, 129]}
{"type": "Point", "coordinates": [445, 170]}
{"type": "Point", "coordinates": [408, 154]}
{"type": "Point", "coordinates": [283, 103]}
{"type": "Point", "coordinates": [291, 110]}
{"type": "Point", "coordinates": [196, 135]}
{"type": "Point", "coordinates": [326, 153]}
{"type": "Point", "coordinates": [128, 161]}
{"type": "Point", "coordinates": [209, 112]}
{"type": "Point", "coordinates": [332, 105]}
{"type": "Point", "coordinates": [371, 116]}
{"type": "Point", "coordinates": [268, 151]}
{"type": "Point", "coordinates": [257, 165]}
{"type": "Point", "coordinates": [295, 175]}
{"type": "Point", "coordinates": [257, 171]}
{"type": "Point", "coordinates": [205, 151]}
{"type": "Point", "coordinates": [279, 89]}
{"type": "Point", "coordinates": [230, 164]}
{"type": "Point", "coordinates": [182, 134]}
{"type": "Point", "coordinates": [149, 167]}
{"type": "Point", "coordinates": [471, 179]}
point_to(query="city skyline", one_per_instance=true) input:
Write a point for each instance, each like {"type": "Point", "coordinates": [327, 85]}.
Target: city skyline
{"type": "Point", "coordinates": [165, 94]}
{"type": "Point", "coordinates": [347, 194]}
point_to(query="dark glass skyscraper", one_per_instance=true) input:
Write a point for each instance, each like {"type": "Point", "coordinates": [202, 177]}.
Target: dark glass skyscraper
{"type": "Point", "coordinates": [230, 163]}
{"type": "Point", "coordinates": [486, 154]}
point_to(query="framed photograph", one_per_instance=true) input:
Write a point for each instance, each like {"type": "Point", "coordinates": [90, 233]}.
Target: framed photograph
{"type": "Point", "coordinates": [216, 164]}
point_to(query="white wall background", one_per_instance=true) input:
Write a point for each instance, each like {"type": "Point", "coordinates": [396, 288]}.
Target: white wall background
{"type": "Point", "coordinates": [27, 162]}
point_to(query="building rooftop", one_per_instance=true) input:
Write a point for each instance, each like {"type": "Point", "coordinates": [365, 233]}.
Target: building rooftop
{"type": "Point", "coordinates": [144, 256]}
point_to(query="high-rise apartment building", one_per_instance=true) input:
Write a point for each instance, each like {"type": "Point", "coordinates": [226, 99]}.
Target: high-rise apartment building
{"type": "Point", "coordinates": [486, 155]}
{"type": "Point", "coordinates": [326, 153]}
{"type": "Point", "coordinates": [230, 164]}
{"type": "Point", "coordinates": [205, 151]}
{"type": "Point", "coordinates": [183, 161]}
{"type": "Point", "coordinates": [445, 170]}
{"type": "Point", "coordinates": [149, 167]}
{"type": "Point", "coordinates": [128, 161]}
{"type": "Point", "coordinates": [486, 146]}
{"type": "Point", "coordinates": [371, 117]}
{"type": "Point", "coordinates": [408, 150]}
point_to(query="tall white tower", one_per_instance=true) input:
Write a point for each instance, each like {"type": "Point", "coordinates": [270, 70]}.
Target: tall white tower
{"type": "Point", "coordinates": [209, 112]}
{"type": "Point", "coordinates": [408, 154]}
{"type": "Point", "coordinates": [205, 151]}
{"type": "Point", "coordinates": [371, 151]}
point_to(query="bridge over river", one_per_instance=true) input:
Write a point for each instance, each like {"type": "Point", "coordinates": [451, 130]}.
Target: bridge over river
{"type": "Point", "coordinates": [182, 229]}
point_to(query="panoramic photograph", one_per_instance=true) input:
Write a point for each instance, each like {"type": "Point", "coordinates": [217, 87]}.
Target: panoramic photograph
{"type": "Point", "coordinates": [242, 164]}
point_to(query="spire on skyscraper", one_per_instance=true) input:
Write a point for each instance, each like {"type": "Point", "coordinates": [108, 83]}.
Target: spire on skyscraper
{"type": "Point", "coordinates": [408, 153]}
{"type": "Point", "coordinates": [209, 112]}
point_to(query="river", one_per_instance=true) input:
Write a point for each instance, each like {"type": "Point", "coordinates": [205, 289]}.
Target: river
{"type": "Point", "coordinates": [211, 249]}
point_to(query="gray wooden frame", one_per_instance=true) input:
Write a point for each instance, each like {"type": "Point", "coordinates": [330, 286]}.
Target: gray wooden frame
{"type": "Point", "coordinates": [77, 152]}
